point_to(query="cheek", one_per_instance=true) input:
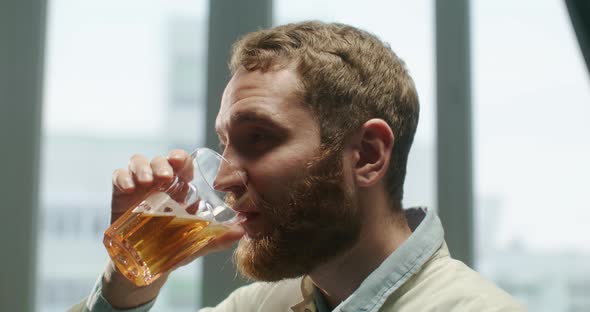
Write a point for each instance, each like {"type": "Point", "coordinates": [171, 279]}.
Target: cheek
{"type": "Point", "coordinates": [272, 175]}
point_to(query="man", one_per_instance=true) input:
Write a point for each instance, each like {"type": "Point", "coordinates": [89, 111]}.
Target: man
{"type": "Point", "coordinates": [320, 119]}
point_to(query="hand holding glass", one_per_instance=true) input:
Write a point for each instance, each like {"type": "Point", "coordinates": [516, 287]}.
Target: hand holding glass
{"type": "Point", "coordinates": [172, 222]}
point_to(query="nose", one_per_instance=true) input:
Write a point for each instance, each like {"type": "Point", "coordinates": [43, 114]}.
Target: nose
{"type": "Point", "coordinates": [230, 179]}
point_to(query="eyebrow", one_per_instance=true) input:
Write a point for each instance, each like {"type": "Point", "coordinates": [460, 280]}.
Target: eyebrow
{"type": "Point", "coordinates": [253, 116]}
{"type": "Point", "coordinates": [261, 119]}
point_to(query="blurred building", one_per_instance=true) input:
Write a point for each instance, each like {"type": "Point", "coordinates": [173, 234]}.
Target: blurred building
{"type": "Point", "coordinates": [546, 281]}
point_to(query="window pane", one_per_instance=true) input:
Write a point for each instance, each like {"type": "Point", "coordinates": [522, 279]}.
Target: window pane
{"type": "Point", "coordinates": [531, 105]}
{"type": "Point", "coordinates": [122, 77]}
{"type": "Point", "coordinates": [409, 30]}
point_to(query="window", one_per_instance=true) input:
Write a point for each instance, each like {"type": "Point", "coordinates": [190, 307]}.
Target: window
{"type": "Point", "coordinates": [121, 78]}
{"type": "Point", "coordinates": [531, 105]}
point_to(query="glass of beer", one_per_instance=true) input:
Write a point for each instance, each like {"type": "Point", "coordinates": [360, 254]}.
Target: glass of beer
{"type": "Point", "coordinates": [173, 221]}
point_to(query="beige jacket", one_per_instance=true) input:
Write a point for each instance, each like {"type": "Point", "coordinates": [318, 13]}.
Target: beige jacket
{"type": "Point", "coordinates": [443, 284]}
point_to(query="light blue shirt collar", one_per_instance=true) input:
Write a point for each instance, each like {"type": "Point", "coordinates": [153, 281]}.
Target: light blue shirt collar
{"type": "Point", "coordinates": [427, 237]}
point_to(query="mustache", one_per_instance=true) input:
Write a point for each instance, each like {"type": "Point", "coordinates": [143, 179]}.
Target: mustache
{"type": "Point", "coordinates": [248, 200]}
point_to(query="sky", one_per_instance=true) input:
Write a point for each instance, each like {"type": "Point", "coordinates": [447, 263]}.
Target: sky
{"type": "Point", "coordinates": [106, 69]}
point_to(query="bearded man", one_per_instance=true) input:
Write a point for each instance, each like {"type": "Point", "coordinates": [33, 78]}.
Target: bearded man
{"type": "Point", "coordinates": [320, 119]}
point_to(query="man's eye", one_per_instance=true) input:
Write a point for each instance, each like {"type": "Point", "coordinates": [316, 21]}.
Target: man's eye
{"type": "Point", "coordinates": [254, 142]}
{"type": "Point", "coordinates": [256, 137]}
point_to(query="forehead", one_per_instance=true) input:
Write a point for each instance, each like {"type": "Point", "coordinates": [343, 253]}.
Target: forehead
{"type": "Point", "coordinates": [265, 95]}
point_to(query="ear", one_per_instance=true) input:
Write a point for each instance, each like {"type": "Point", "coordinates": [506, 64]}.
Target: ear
{"type": "Point", "coordinates": [374, 145]}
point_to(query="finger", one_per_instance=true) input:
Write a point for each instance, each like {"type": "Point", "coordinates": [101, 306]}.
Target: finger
{"type": "Point", "coordinates": [141, 170]}
{"type": "Point", "coordinates": [123, 181]}
{"type": "Point", "coordinates": [182, 163]}
{"type": "Point", "coordinates": [161, 168]}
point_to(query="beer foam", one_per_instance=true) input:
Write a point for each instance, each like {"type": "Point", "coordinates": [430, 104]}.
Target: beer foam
{"type": "Point", "coordinates": [162, 205]}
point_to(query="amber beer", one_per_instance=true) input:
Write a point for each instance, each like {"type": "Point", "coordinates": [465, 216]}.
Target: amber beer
{"type": "Point", "coordinates": [154, 237]}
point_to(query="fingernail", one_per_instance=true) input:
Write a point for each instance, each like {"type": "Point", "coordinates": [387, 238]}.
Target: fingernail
{"type": "Point", "coordinates": [127, 184]}
{"type": "Point", "coordinates": [145, 176]}
{"type": "Point", "coordinates": [174, 156]}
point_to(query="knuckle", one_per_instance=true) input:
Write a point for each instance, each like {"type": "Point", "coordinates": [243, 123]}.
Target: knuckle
{"type": "Point", "coordinates": [118, 172]}
{"type": "Point", "coordinates": [177, 153]}
{"type": "Point", "coordinates": [136, 158]}
{"type": "Point", "coordinates": [158, 160]}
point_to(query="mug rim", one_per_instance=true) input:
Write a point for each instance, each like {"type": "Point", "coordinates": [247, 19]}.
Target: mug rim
{"type": "Point", "coordinates": [194, 156]}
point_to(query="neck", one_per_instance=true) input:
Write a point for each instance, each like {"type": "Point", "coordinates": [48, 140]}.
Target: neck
{"type": "Point", "coordinates": [381, 234]}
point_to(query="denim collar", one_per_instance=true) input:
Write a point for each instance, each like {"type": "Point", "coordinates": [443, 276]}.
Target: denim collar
{"type": "Point", "coordinates": [427, 237]}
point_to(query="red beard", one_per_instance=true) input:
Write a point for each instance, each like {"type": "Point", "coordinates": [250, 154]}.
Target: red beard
{"type": "Point", "coordinates": [318, 220]}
